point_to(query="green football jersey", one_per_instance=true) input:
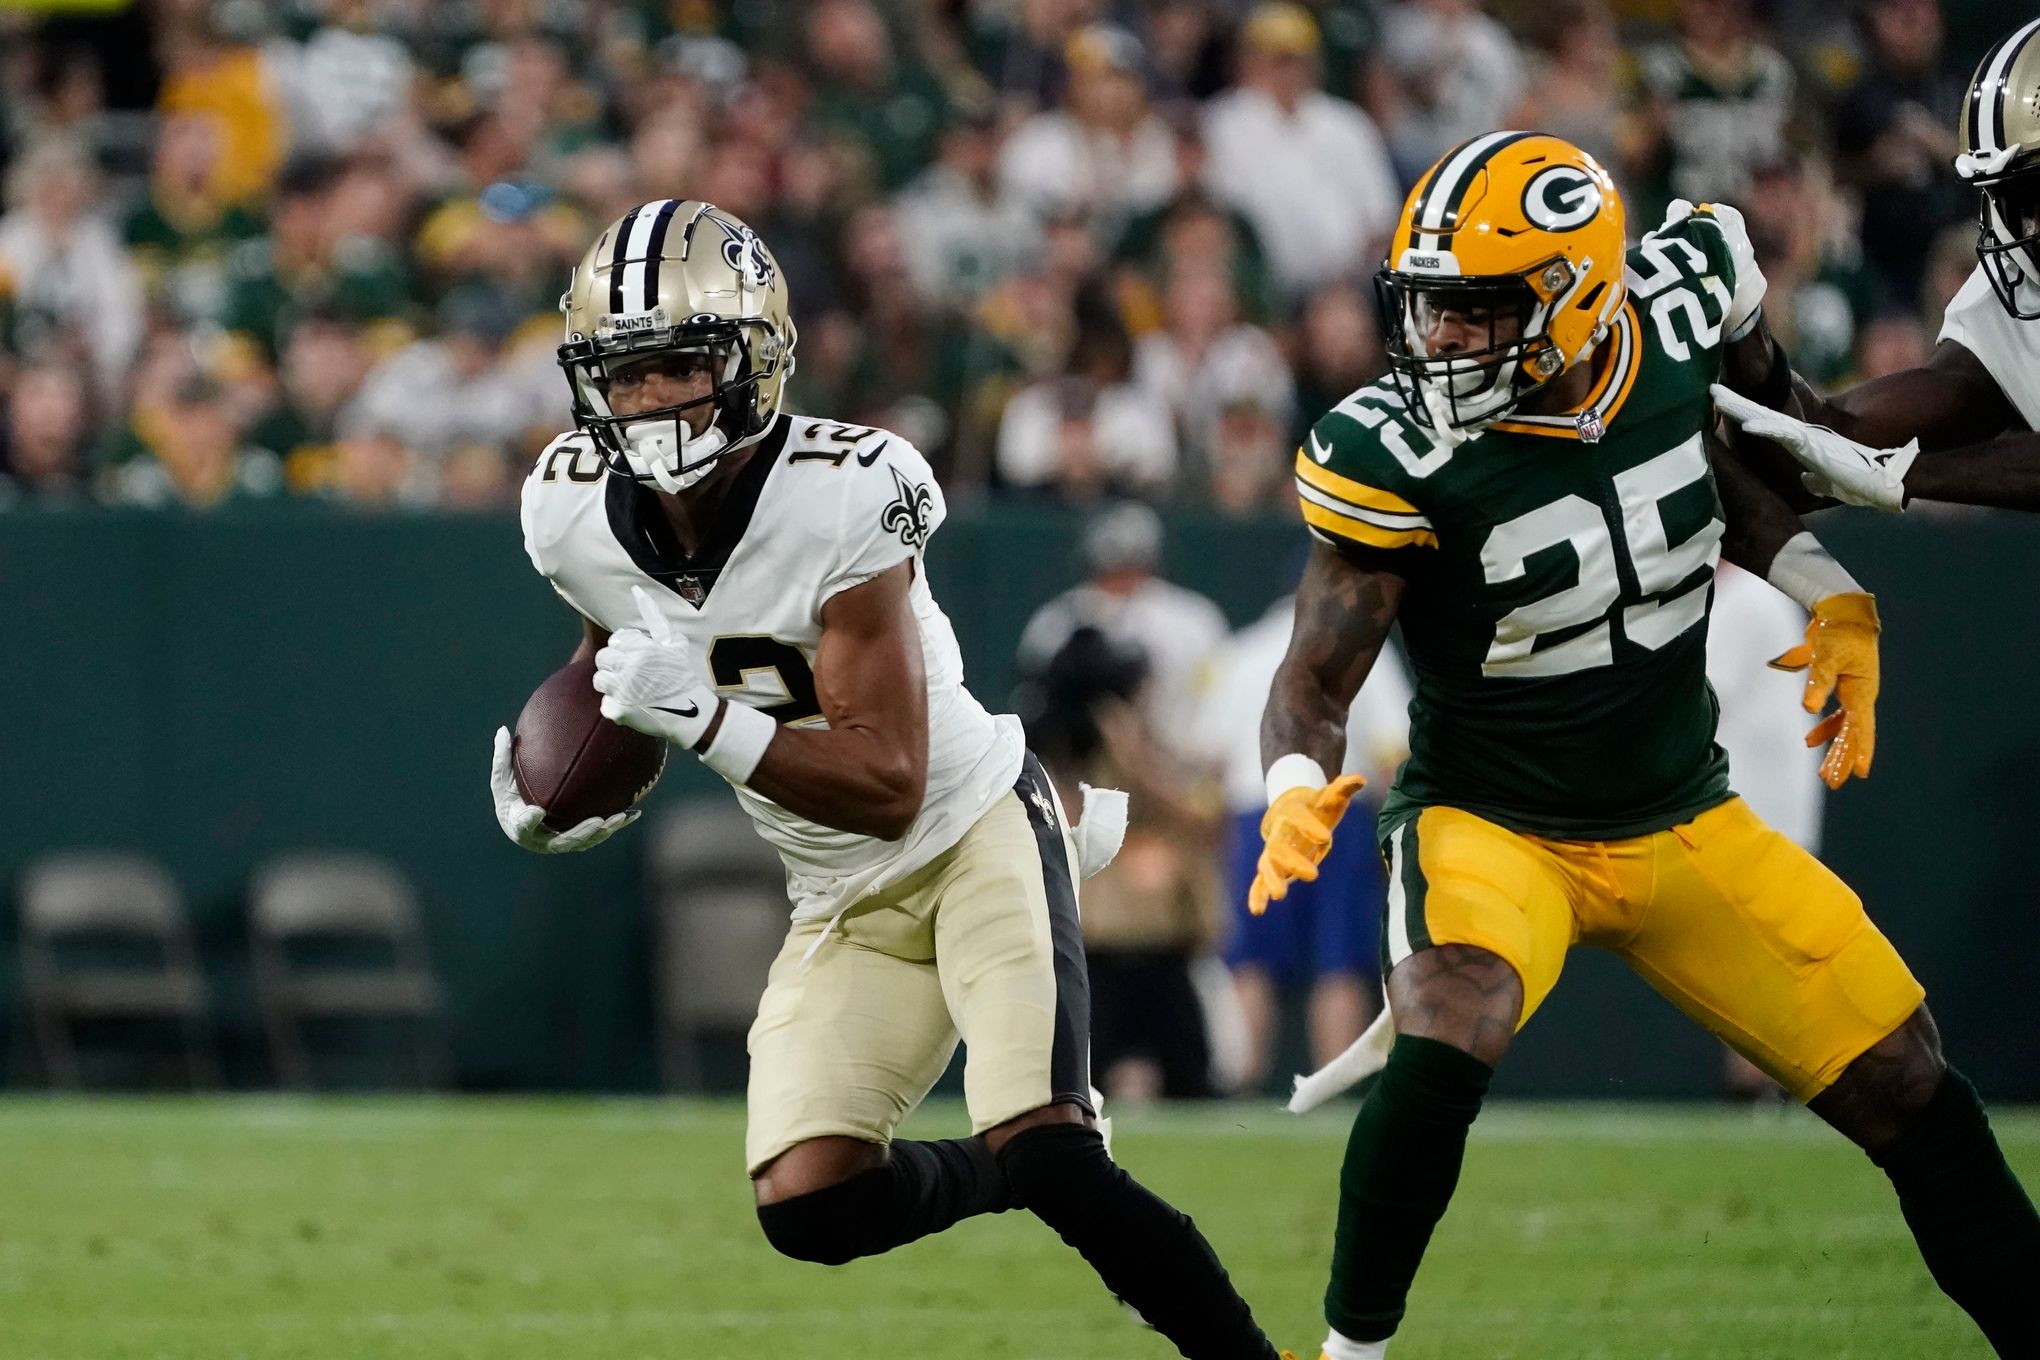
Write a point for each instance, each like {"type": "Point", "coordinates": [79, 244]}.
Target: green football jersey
{"type": "Point", "coordinates": [1559, 569]}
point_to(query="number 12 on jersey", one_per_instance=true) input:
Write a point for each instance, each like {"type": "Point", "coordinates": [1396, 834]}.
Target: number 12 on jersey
{"type": "Point", "coordinates": [1657, 565]}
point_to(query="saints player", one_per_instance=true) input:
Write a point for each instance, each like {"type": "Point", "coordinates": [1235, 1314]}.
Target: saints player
{"type": "Point", "coordinates": [751, 587]}
{"type": "Point", "coordinates": [1529, 494]}
{"type": "Point", "coordinates": [1965, 427]}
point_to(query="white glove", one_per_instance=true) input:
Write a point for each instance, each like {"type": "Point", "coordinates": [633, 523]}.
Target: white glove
{"type": "Point", "coordinates": [524, 822]}
{"type": "Point", "coordinates": [1838, 468]}
{"type": "Point", "coordinates": [650, 682]}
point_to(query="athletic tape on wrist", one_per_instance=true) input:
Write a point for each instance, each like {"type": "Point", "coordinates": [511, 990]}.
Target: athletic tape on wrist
{"type": "Point", "coordinates": [1804, 572]}
{"type": "Point", "coordinates": [1294, 771]}
{"type": "Point", "coordinates": [739, 743]}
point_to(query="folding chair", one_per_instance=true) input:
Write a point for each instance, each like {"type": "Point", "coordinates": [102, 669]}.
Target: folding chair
{"type": "Point", "coordinates": [104, 937]}
{"type": "Point", "coordinates": [718, 898]}
{"type": "Point", "coordinates": [337, 937]}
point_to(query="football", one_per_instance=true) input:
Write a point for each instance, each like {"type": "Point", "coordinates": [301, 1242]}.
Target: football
{"type": "Point", "coordinates": [572, 761]}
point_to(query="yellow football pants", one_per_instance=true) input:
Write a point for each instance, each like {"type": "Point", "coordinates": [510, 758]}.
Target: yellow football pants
{"type": "Point", "coordinates": [1733, 923]}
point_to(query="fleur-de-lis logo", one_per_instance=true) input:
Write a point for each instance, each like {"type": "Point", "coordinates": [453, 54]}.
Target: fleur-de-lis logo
{"type": "Point", "coordinates": [743, 251]}
{"type": "Point", "coordinates": [907, 516]}
{"type": "Point", "coordinates": [1039, 798]}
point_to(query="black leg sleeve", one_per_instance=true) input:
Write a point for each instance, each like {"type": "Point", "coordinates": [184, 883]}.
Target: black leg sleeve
{"type": "Point", "coordinates": [1973, 1222]}
{"type": "Point", "coordinates": [922, 1189]}
{"type": "Point", "coordinates": [1146, 1252]}
{"type": "Point", "coordinates": [1402, 1165]}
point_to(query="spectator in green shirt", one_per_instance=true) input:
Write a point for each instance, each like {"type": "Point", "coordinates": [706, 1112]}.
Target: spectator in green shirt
{"type": "Point", "coordinates": [895, 108]}
{"type": "Point", "coordinates": [181, 234]}
{"type": "Point", "coordinates": [302, 266]}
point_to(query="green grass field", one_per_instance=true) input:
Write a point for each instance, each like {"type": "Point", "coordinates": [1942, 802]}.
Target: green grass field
{"type": "Point", "coordinates": [258, 1229]}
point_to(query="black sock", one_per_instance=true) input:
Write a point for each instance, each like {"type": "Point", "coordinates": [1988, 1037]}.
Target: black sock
{"type": "Point", "coordinates": [1146, 1252]}
{"type": "Point", "coordinates": [1402, 1163]}
{"type": "Point", "coordinates": [922, 1189]}
{"type": "Point", "coordinates": [1974, 1224]}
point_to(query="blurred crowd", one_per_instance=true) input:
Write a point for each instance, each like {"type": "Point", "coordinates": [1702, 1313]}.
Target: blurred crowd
{"type": "Point", "coordinates": [1074, 249]}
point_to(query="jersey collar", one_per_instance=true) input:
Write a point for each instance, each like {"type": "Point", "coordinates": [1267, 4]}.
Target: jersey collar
{"type": "Point", "coordinates": [644, 533]}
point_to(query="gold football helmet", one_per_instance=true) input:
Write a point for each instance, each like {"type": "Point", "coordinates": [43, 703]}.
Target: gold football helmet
{"type": "Point", "coordinates": [2000, 135]}
{"type": "Point", "coordinates": [1516, 232]}
{"type": "Point", "coordinates": [677, 277]}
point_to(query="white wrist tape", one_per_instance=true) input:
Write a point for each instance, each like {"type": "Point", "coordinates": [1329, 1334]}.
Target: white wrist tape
{"type": "Point", "coordinates": [1805, 573]}
{"type": "Point", "coordinates": [1294, 771]}
{"type": "Point", "coordinates": [740, 742]}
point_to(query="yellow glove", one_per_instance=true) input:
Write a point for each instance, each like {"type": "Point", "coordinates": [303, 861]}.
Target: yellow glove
{"type": "Point", "coordinates": [1296, 831]}
{"type": "Point", "coordinates": [1839, 657]}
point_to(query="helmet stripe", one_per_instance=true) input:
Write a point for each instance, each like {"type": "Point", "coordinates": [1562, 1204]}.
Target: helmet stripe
{"type": "Point", "coordinates": [655, 249]}
{"type": "Point", "coordinates": [638, 239]}
{"type": "Point", "coordinates": [1987, 121]}
{"type": "Point", "coordinates": [1449, 185]}
{"type": "Point", "coordinates": [1423, 198]}
{"type": "Point", "coordinates": [616, 257]}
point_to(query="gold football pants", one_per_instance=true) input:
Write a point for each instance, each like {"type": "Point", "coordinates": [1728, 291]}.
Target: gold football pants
{"type": "Point", "coordinates": [982, 943]}
{"type": "Point", "coordinates": [1738, 927]}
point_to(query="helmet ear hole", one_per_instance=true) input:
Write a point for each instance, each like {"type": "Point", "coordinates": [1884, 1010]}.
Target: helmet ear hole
{"type": "Point", "coordinates": [1593, 297]}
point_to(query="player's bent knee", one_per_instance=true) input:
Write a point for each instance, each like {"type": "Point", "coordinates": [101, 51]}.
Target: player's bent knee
{"type": "Point", "coordinates": [828, 1227]}
{"type": "Point", "coordinates": [814, 1165]}
{"type": "Point", "coordinates": [1458, 994]}
{"type": "Point", "coordinates": [1880, 1095]}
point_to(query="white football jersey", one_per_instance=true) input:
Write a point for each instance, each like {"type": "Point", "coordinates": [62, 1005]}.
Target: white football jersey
{"type": "Point", "coordinates": [2008, 348]}
{"type": "Point", "coordinates": [819, 508]}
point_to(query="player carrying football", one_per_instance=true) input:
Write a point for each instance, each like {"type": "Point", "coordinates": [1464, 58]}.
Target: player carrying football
{"type": "Point", "coordinates": [751, 587]}
{"type": "Point", "coordinates": [1961, 428]}
{"type": "Point", "coordinates": [1529, 493]}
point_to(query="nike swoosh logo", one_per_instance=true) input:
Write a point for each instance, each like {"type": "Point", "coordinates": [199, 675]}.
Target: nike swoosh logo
{"type": "Point", "coordinates": [691, 711]}
{"type": "Point", "coordinates": [867, 459]}
{"type": "Point", "coordinates": [1318, 450]}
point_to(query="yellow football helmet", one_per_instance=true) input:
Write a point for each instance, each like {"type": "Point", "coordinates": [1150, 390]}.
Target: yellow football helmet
{"type": "Point", "coordinates": [1514, 236]}
{"type": "Point", "coordinates": [683, 278]}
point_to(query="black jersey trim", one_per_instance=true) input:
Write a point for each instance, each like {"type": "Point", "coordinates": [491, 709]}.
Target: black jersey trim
{"type": "Point", "coordinates": [640, 527]}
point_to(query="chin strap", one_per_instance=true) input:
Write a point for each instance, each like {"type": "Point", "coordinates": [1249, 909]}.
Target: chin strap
{"type": "Point", "coordinates": [660, 451]}
{"type": "Point", "coordinates": [1448, 435]}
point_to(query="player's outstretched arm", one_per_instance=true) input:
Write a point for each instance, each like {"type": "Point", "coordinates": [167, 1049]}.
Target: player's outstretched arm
{"type": "Point", "coordinates": [1946, 403]}
{"type": "Point", "coordinates": [1940, 432]}
{"type": "Point", "coordinates": [1343, 614]}
{"type": "Point", "coordinates": [868, 770]}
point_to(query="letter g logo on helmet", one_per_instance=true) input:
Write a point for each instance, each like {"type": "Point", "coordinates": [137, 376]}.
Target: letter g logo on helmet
{"type": "Point", "coordinates": [1561, 198]}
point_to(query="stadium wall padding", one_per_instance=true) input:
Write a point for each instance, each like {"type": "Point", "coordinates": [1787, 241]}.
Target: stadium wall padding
{"type": "Point", "coordinates": [215, 689]}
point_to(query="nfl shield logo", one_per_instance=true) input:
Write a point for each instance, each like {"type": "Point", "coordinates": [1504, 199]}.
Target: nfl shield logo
{"type": "Point", "coordinates": [690, 589]}
{"type": "Point", "coordinates": [1590, 427]}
